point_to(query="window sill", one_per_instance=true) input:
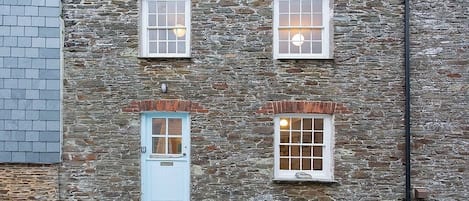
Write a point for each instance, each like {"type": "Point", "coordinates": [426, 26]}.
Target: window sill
{"type": "Point", "coordinates": [163, 57]}
{"type": "Point", "coordinates": [302, 58]}
{"type": "Point", "coordinates": [295, 180]}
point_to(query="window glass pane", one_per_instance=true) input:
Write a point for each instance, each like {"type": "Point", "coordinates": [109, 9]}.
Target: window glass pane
{"type": "Point", "coordinates": [151, 20]}
{"type": "Point", "coordinates": [283, 20]}
{"type": "Point", "coordinates": [317, 151]}
{"type": "Point", "coordinates": [295, 20]}
{"type": "Point", "coordinates": [284, 164]}
{"type": "Point", "coordinates": [162, 47]}
{"type": "Point", "coordinates": [296, 123]}
{"type": "Point", "coordinates": [307, 137]}
{"type": "Point", "coordinates": [284, 137]}
{"type": "Point", "coordinates": [161, 7]}
{"type": "Point", "coordinates": [181, 6]}
{"type": "Point", "coordinates": [171, 35]}
{"type": "Point", "coordinates": [152, 47]}
{"type": "Point", "coordinates": [159, 145]}
{"type": "Point", "coordinates": [317, 6]}
{"type": "Point", "coordinates": [171, 47]}
{"type": "Point", "coordinates": [306, 6]}
{"type": "Point", "coordinates": [171, 7]}
{"type": "Point", "coordinates": [318, 124]}
{"type": "Point", "coordinates": [295, 150]}
{"type": "Point", "coordinates": [284, 150]}
{"type": "Point", "coordinates": [318, 137]}
{"type": "Point", "coordinates": [306, 47]}
{"type": "Point", "coordinates": [317, 164]}
{"type": "Point", "coordinates": [306, 164]}
{"type": "Point", "coordinates": [162, 35]}
{"type": "Point", "coordinates": [283, 47]}
{"type": "Point", "coordinates": [152, 6]}
{"type": "Point", "coordinates": [305, 20]}
{"type": "Point", "coordinates": [174, 126]}
{"type": "Point", "coordinates": [295, 163]}
{"type": "Point", "coordinates": [161, 20]}
{"type": "Point", "coordinates": [171, 19]}
{"type": "Point", "coordinates": [316, 34]}
{"type": "Point", "coordinates": [181, 20]}
{"type": "Point", "coordinates": [317, 20]}
{"type": "Point", "coordinates": [158, 126]}
{"type": "Point", "coordinates": [283, 6]}
{"type": "Point", "coordinates": [306, 34]}
{"type": "Point", "coordinates": [181, 47]}
{"type": "Point", "coordinates": [307, 124]}
{"type": "Point", "coordinates": [283, 34]}
{"type": "Point", "coordinates": [317, 47]}
{"type": "Point", "coordinates": [153, 34]}
{"type": "Point", "coordinates": [306, 151]}
{"type": "Point", "coordinates": [175, 145]}
{"type": "Point", "coordinates": [296, 137]}
{"type": "Point", "coordinates": [294, 49]}
{"type": "Point", "coordinates": [294, 6]}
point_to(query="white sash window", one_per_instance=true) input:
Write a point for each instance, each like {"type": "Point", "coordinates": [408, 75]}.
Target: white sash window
{"type": "Point", "coordinates": [303, 147]}
{"type": "Point", "coordinates": [302, 29]}
{"type": "Point", "coordinates": [165, 28]}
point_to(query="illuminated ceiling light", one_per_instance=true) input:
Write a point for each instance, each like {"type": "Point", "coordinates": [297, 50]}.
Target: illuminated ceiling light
{"type": "Point", "coordinates": [179, 31]}
{"type": "Point", "coordinates": [283, 122]}
{"type": "Point", "coordinates": [298, 39]}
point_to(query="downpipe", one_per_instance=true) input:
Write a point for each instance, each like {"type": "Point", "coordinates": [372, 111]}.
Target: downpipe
{"type": "Point", "coordinates": [408, 193]}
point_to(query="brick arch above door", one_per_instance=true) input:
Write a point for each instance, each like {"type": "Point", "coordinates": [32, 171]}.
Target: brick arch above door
{"type": "Point", "coordinates": [303, 107]}
{"type": "Point", "coordinates": [165, 105]}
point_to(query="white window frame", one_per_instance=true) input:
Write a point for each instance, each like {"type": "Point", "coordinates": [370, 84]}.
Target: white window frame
{"type": "Point", "coordinates": [144, 51]}
{"type": "Point", "coordinates": [326, 34]}
{"type": "Point", "coordinates": [327, 172]}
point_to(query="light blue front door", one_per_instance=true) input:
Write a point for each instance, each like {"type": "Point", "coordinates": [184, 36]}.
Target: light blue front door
{"type": "Point", "coordinates": [165, 156]}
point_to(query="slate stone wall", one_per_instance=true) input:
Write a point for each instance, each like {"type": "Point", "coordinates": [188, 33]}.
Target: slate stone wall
{"type": "Point", "coordinates": [30, 81]}
{"type": "Point", "coordinates": [232, 76]}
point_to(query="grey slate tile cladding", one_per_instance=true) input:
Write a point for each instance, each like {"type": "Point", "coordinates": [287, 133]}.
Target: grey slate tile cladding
{"type": "Point", "coordinates": [30, 81]}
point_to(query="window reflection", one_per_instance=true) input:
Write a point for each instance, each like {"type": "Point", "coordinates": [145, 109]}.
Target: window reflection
{"type": "Point", "coordinates": [158, 126]}
{"type": "Point", "coordinates": [175, 126]}
{"type": "Point", "coordinates": [159, 145]}
{"type": "Point", "coordinates": [175, 146]}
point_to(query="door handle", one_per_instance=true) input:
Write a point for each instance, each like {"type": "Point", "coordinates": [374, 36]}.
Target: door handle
{"type": "Point", "coordinates": [143, 149]}
{"type": "Point", "coordinates": [184, 154]}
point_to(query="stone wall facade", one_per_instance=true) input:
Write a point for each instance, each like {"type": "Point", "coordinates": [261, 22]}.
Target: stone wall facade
{"type": "Point", "coordinates": [29, 182]}
{"type": "Point", "coordinates": [232, 77]}
{"type": "Point", "coordinates": [440, 98]}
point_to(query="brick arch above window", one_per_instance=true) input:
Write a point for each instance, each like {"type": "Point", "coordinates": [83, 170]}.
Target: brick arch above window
{"type": "Point", "coordinates": [303, 107]}
{"type": "Point", "coordinates": [165, 105]}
